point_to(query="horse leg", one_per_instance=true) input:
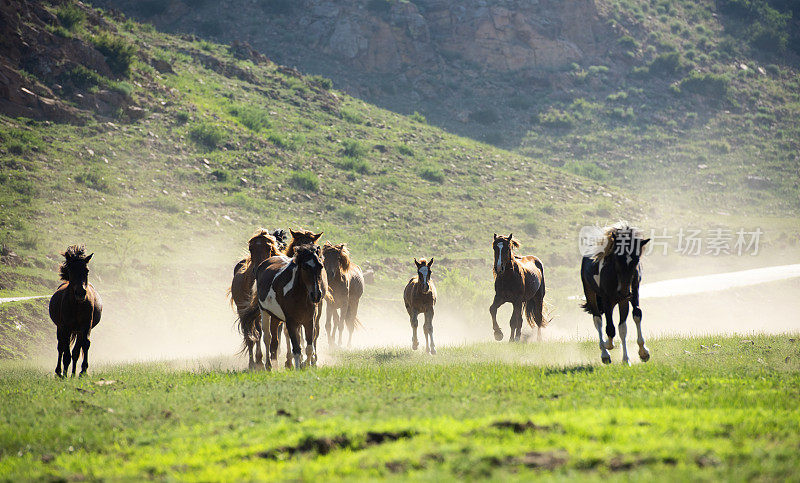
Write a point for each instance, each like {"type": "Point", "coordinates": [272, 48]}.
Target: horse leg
{"type": "Point", "coordinates": [294, 337]}
{"type": "Point", "coordinates": [85, 343]}
{"type": "Point", "coordinates": [266, 333]}
{"type": "Point", "coordinates": [328, 328]}
{"type": "Point", "coordinates": [498, 334]}
{"type": "Point", "coordinates": [414, 324]}
{"type": "Point", "coordinates": [257, 342]}
{"type": "Point", "coordinates": [598, 324]}
{"type": "Point", "coordinates": [288, 363]}
{"type": "Point", "coordinates": [311, 353]}
{"type": "Point", "coordinates": [644, 354]}
{"type": "Point", "coordinates": [610, 331]}
{"type": "Point", "coordinates": [76, 352]}
{"type": "Point", "coordinates": [623, 330]}
{"type": "Point", "coordinates": [428, 328]}
{"type": "Point", "coordinates": [516, 322]}
{"type": "Point", "coordinates": [275, 337]}
{"type": "Point", "coordinates": [338, 320]}
{"type": "Point", "coordinates": [63, 352]}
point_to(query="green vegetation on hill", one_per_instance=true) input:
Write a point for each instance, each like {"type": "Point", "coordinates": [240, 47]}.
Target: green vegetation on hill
{"type": "Point", "coordinates": [710, 408]}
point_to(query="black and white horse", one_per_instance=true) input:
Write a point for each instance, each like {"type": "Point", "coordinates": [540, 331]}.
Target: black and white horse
{"type": "Point", "coordinates": [611, 277]}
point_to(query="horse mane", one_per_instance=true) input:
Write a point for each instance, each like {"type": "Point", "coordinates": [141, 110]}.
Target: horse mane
{"type": "Point", "coordinates": [295, 243]}
{"type": "Point", "coordinates": [610, 235]}
{"type": "Point", "coordinates": [271, 242]}
{"type": "Point", "coordinates": [342, 257]}
{"type": "Point", "coordinates": [73, 254]}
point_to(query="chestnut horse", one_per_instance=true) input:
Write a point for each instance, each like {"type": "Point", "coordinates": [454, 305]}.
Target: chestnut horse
{"type": "Point", "coordinates": [75, 308]}
{"type": "Point", "coordinates": [520, 281]}
{"type": "Point", "coordinates": [346, 285]}
{"type": "Point", "coordinates": [261, 246]}
{"type": "Point", "coordinates": [611, 277]}
{"type": "Point", "coordinates": [420, 297]}
{"type": "Point", "coordinates": [289, 290]}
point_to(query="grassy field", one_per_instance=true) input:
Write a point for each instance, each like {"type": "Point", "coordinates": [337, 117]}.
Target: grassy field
{"type": "Point", "coordinates": [702, 408]}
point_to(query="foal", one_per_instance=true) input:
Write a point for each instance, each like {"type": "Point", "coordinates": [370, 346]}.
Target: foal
{"type": "Point", "coordinates": [75, 308]}
{"type": "Point", "coordinates": [420, 297]}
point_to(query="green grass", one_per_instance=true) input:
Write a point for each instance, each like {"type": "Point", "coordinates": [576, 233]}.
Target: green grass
{"type": "Point", "coordinates": [726, 412]}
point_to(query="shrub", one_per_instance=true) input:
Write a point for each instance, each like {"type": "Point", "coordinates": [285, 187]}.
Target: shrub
{"type": "Point", "coordinates": [353, 149]}
{"type": "Point", "coordinates": [207, 134]}
{"type": "Point", "coordinates": [305, 180]}
{"type": "Point", "coordinates": [432, 173]}
{"type": "Point", "coordinates": [706, 84]}
{"type": "Point", "coordinates": [70, 16]}
{"type": "Point", "coordinates": [321, 82]}
{"type": "Point", "coordinates": [81, 77]}
{"type": "Point", "coordinates": [182, 117]}
{"type": "Point", "coordinates": [627, 42]}
{"type": "Point", "coordinates": [93, 178]}
{"type": "Point", "coordinates": [405, 150]}
{"type": "Point", "coordinates": [351, 116]}
{"type": "Point", "coordinates": [586, 169]}
{"type": "Point", "coordinates": [419, 118]}
{"type": "Point", "coordinates": [357, 165]}
{"type": "Point", "coordinates": [220, 175]}
{"type": "Point", "coordinates": [117, 51]}
{"type": "Point", "coordinates": [252, 118]}
{"type": "Point", "coordinates": [556, 118]}
{"type": "Point", "coordinates": [668, 63]}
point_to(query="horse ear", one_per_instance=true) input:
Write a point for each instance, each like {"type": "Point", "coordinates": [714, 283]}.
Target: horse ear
{"type": "Point", "coordinates": [510, 236]}
{"type": "Point", "coordinates": [495, 236]}
{"type": "Point", "coordinates": [416, 262]}
{"type": "Point", "coordinates": [431, 262]}
{"type": "Point", "coordinates": [90, 256]}
{"type": "Point", "coordinates": [316, 237]}
{"type": "Point", "coordinates": [294, 233]}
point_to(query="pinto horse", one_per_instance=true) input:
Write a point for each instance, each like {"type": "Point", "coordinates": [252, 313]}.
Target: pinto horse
{"type": "Point", "coordinates": [289, 290]}
{"type": "Point", "coordinates": [346, 285]}
{"type": "Point", "coordinates": [419, 297]}
{"type": "Point", "coordinates": [520, 281]}
{"type": "Point", "coordinates": [75, 308]}
{"type": "Point", "coordinates": [261, 246]}
{"type": "Point", "coordinates": [611, 277]}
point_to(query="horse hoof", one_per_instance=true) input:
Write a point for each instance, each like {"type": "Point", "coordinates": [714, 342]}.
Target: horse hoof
{"type": "Point", "coordinates": [414, 345]}
{"type": "Point", "coordinates": [498, 335]}
{"type": "Point", "coordinates": [610, 344]}
{"type": "Point", "coordinates": [606, 359]}
{"type": "Point", "coordinates": [626, 362]}
{"type": "Point", "coordinates": [83, 373]}
{"type": "Point", "coordinates": [433, 351]}
{"type": "Point", "coordinates": [287, 365]}
{"type": "Point", "coordinates": [644, 356]}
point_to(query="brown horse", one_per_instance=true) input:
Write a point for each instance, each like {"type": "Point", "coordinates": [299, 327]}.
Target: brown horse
{"type": "Point", "coordinates": [420, 297]}
{"type": "Point", "coordinates": [289, 290]}
{"type": "Point", "coordinates": [346, 285]}
{"type": "Point", "coordinates": [299, 238]}
{"type": "Point", "coordinates": [75, 308]}
{"type": "Point", "coordinates": [520, 281]}
{"type": "Point", "coordinates": [261, 246]}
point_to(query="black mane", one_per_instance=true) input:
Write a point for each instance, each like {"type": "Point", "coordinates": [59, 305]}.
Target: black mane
{"type": "Point", "coordinates": [75, 253]}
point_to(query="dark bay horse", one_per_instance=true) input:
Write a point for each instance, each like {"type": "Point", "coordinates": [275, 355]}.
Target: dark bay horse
{"type": "Point", "coordinates": [611, 277]}
{"type": "Point", "coordinates": [520, 281]}
{"type": "Point", "coordinates": [299, 238]}
{"type": "Point", "coordinates": [345, 285]}
{"type": "Point", "coordinates": [289, 290]}
{"type": "Point", "coordinates": [75, 308]}
{"type": "Point", "coordinates": [419, 297]}
{"type": "Point", "coordinates": [261, 246]}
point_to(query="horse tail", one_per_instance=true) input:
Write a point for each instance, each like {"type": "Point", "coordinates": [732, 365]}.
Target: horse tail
{"type": "Point", "coordinates": [248, 318]}
{"type": "Point", "coordinates": [534, 308]}
{"type": "Point", "coordinates": [229, 294]}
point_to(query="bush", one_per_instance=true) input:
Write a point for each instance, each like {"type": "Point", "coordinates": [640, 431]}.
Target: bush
{"type": "Point", "coordinates": [351, 116]}
{"type": "Point", "coordinates": [357, 165]}
{"type": "Point", "coordinates": [81, 77]}
{"type": "Point", "coordinates": [207, 134]}
{"type": "Point", "coordinates": [93, 178]}
{"type": "Point", "coordinates": [70, 16]}
{"type": "Point", "coordinates": [405, 150]}
{"type": "Point", "coordinates": [669, 63]}
{"type": "Point", "coordinates": [117, 51]}
{"type": "Point", "coordinates": [252, 118]}
{"type": "Point", "coordinates": [556, 118]}
{"type": "Point", "coordinates": [706, 84]}
{"type": "Point", "coordinates": [353, 149]}
{"type": "Point", "coordinates": [305, 180]}
{"type": "Point", "coordinates": [418, 117]}
{"type": "Point", "coordinates": [219, 175]}
{"type": "Point", "coordinates": [432, 173]}
{"type": "Point", "coordinates": [587, 170]}
{"type": "Point", "coordinates": [321, 82]}
{"type": "Point", "coordinates": [182, 117]}
{"type": "Point", "coordinates": [627, 42]}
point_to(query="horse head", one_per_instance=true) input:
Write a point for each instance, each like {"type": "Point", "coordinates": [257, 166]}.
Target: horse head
{"type": "Point", "coordinates": [309, 263]}
{"type": "Point", "coordinates": [75, 271]}
{"type": "Point", "coordinates": [301, 237]}
{"type": "Point", "coordinates": [503, 251]}
{"type": "Point", "coordinates": [262, 245]}
{"type": "Point", "coordinates": [424, 272]}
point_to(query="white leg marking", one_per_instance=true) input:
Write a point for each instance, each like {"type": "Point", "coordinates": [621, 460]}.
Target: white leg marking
{"type": "Point", "coordinates": [604, 355]}
{"type": "Point", "coordinates": [623, 333]}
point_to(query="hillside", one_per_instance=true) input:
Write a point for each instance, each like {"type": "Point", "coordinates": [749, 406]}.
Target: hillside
{"type": "Point", "coordinates": [685, 97]}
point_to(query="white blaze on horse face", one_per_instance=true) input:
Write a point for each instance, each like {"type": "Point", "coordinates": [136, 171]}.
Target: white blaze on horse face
{"type": "Point", "coordinates": [499, 256]}
{"type": "Point", "coordinates": [423, 272]}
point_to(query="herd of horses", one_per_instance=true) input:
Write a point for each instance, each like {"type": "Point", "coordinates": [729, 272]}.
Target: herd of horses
{"type": "Point", "coordinates": [279, 288]}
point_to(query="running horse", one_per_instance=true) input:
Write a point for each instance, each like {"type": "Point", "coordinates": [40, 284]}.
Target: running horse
{"type": "Point", "coordinates": [261, 246]}
{"type": "Point", "coordinates": [520, 281]}
{"type": "Point", "coordinates": [75, 309]}
{"type": "Point", "coordinates": [346, 285]}
{"type": "Point", "coordinates": [419, 297]}
{"type": "Point", "coordinates": [289, 290]}
{"type": "Point", "coordinates": [612, 277]}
